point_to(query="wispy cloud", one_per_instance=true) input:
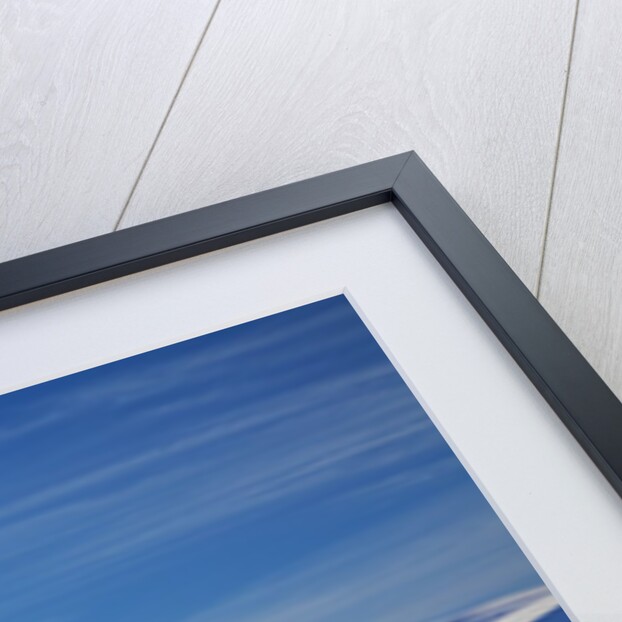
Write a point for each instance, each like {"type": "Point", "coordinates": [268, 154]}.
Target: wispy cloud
{"type": "Point", "coordinates": [320, 399]}
{"type": "Point", "coordinates": [291, 429]}
{"type": "Point", "coordinates": [220, 491]}
{"type": "Point", "coordinates": [147, 382]}
{"type": "Point", "coordinates": [392, 573]}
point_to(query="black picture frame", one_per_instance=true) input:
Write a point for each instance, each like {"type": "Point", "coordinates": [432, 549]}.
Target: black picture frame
{"type": "Point", "coordinates": [572, 388]}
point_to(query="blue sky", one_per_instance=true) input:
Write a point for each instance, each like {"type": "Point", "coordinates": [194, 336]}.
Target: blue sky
{"type": "Point", "coordinates": [278, 470]}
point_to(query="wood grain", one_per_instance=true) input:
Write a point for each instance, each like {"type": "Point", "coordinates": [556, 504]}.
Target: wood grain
{"type": "Point", "coordinates": [84, 87]}
{"type": "Point", "coordinates": [282, 91]}
{"type": "Point", "coordinates": [582, 275]}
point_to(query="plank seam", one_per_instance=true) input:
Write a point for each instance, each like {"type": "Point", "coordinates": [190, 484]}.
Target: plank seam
{"type": "Point", "coordinates": [547, 218]}
{"type": "Point", "coordinates": [166, 115]}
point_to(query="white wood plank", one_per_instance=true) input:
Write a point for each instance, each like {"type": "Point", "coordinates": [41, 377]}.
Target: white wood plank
{"type": "Point", "coordinates": [84, 87]}
{"type": "Point", "coordinates": [582, 275]}
{"type": "Point", "coordinates": [281, 91]}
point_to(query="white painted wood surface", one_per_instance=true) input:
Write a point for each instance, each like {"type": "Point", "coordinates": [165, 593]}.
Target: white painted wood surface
{"type": "Point", "coordinates": [84, 87]}
{"type": "Point", "coordinates": [282, 91]}
{"type": "Point", "coordinates": [582, 272]}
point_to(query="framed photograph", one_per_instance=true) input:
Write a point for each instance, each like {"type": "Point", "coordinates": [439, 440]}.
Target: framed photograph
{"type": "Point", "coordinates": [329, 401]}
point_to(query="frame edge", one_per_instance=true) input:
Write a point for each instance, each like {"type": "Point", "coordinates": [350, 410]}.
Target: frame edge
{"type": "Point", "coordinates": [120, 253]}
{"type": "Point", "coordinates": [569, 384]}
{"type": "Point", "coordinates": [572, 388]}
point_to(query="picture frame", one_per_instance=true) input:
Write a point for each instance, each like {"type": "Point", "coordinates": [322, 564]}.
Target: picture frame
{"type": "Point", "coordinates": [575, 392]}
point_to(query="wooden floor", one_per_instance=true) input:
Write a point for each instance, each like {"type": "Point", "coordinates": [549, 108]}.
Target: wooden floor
{"type": "Point", "coordinates": [113, 114]}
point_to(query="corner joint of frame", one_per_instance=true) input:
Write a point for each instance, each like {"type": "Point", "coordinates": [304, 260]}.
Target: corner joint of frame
{"type": "Point", "coordinates": [408, 155]}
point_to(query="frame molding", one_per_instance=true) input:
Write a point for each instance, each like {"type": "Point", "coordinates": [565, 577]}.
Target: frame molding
{"type": "Point", "coordinates": [572, 388]}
